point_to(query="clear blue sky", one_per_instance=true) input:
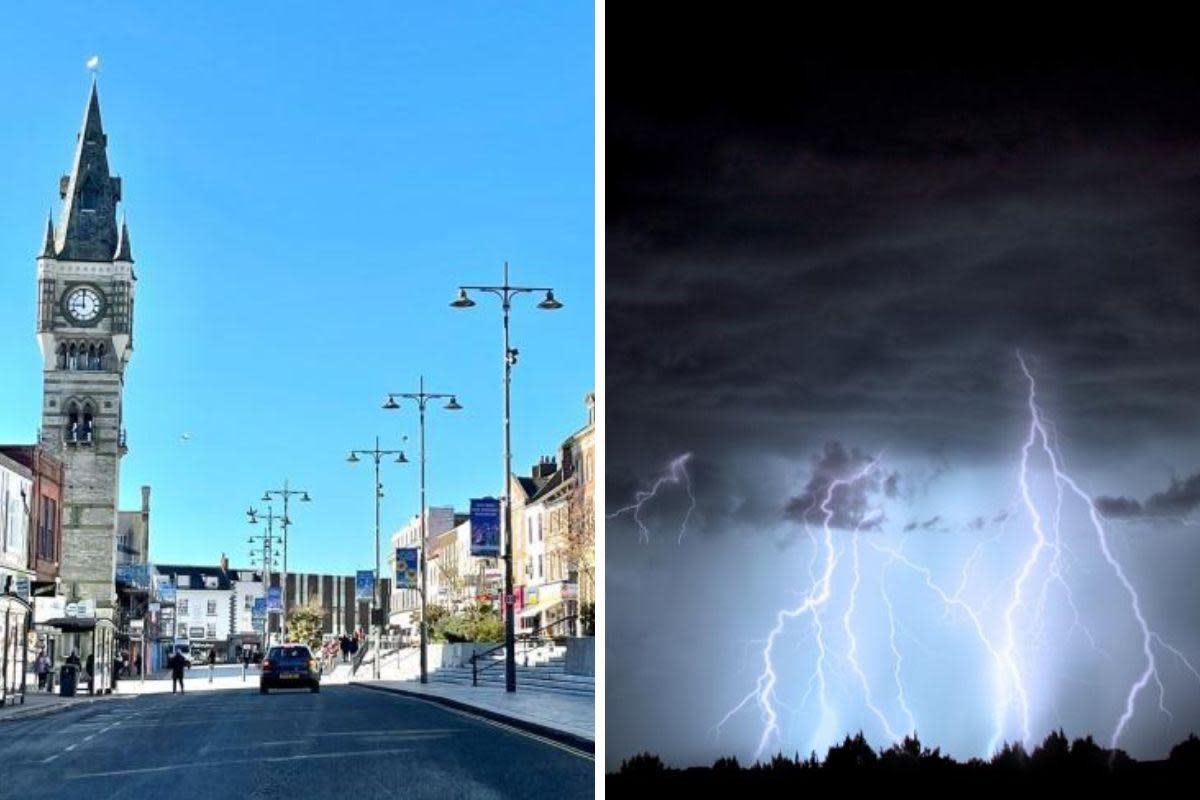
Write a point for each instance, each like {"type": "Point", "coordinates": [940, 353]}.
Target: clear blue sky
{"type": "Point", "coordinates": [306, 185]}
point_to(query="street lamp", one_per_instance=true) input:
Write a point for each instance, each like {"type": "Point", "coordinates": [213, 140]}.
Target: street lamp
{"type": "Point", "coordinates": [422, 398]}
{"type": "Point", "coordinates": [267, 556]}
{"type": "Point", "coordinates": [353, 458]}
{"type": "Point", "coordinates": [506, 293]}
{"type": "Point", "coordinates": [285, 523]}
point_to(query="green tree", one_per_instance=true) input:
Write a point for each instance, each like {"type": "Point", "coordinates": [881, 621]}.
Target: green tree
{"type": "Point", "coordinates": [304, 625]}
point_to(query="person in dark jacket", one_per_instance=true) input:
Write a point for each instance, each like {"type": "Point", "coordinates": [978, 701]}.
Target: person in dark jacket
{"type": "Point", "coordinates": [212, 663]}
{"type": "Point", "coordinates": [177, 664]}
{"type": "Point", "coordinates": [42, 667]}
{"type": "Point", "coordinates": [90, 668]}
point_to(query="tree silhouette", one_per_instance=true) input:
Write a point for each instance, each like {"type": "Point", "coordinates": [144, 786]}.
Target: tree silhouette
{"type": "Point", "coordinates": [1087, 756]}
{"type": "Point", "coordinates": [642, 765]}
{"type": "Point", "coordinates": [853, 753]}
{"type": "Point", "coordinates": [1011, 758]}
{"type": "Point", "coordinates": [1056, 763]}
{"type": "Point", "coordinates": [1186, 754]}
{"type": "Point", "coordinates": [1053, 754]}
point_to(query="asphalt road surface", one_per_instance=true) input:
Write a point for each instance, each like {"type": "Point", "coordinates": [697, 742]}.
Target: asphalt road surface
{"type": "Point", "coordinates": [343, 742]}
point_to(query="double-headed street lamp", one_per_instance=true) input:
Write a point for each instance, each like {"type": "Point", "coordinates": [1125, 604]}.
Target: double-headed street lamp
{"type": "Point", "coordinates": [268, 540]}
{"type": "Point", "coordinates": [506, 293]}
{"type": "Point", "coordinates": [422, 398]}
{"type": "Point", "coordinates": [285, 523]}
{"type": "Point", "coordinates": [353, 458]}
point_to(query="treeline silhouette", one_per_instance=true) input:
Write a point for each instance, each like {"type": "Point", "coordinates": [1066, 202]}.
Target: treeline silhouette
{"type": "Point", "coordinates": [1056, 761]}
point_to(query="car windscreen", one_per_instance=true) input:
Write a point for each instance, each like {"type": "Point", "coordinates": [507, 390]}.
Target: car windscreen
{"type": "Point", "coordinates": [289, 654]}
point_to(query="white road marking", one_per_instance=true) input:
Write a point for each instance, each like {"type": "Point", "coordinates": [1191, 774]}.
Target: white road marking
{"type": "Point", "coordinates": [228, 762]}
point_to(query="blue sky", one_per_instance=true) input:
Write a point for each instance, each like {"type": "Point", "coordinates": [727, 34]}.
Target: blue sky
{"type": "Point", "coordinates": [305, 188]}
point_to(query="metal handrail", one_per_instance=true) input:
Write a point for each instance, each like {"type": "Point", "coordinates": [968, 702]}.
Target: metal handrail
{"type": "Point", "coordinates": [525, 639]}
{"type": "Point", "coordinates": [357, 661]}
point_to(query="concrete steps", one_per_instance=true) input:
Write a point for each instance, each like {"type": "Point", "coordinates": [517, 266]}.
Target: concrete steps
{"type": "Point", "coordinates": [549, 676]}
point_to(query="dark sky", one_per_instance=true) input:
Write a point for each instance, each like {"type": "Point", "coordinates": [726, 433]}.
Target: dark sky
{"type": "Point", "coordinates": [814, 257]}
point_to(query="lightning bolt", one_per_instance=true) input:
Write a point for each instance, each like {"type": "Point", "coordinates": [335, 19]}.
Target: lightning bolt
{"type": "Point", "coordinates": [897, 657]}
{"type": "Point", "coordinates": [676, 474]}
{"type": "Point", "coordinates": [817, 596]}
{"type": "Point", "coordinates": [1149, 637]}
{"type": "Point", "coordinates": [1008, 619]}
{"type": "Point", "coordinates": [852, 650]}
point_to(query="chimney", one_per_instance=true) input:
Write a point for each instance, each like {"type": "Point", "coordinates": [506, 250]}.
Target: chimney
{"type": "Point", "coordinates": [145, 501]}
{"type": "Point", "coordinates": [545, 467]}
{"type": "Point", "coordinates": [224, 563]}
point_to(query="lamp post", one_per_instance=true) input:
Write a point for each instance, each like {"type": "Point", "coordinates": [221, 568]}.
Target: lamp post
{"type": "Point", "coordinates": [506, 292]}
{"type": "Point", "coordinates": [267, 556]}
{"type": "Point", "coordinates": [285, 523]}
{"type": "Point", "coordinates": [353, 458]}
{"type": "Point", "coordinates": [422, 398]}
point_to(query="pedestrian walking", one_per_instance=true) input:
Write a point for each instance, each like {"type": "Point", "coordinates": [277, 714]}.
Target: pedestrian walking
{"type": "Point", "coordinates": [177, 664]}
{"type": "Point", "coordinates": [90, 669]}
{"type": "Point", "coordinates": [344, 644]}
{"type": "Point", "coordinates": [41, 666]}
{"type": "Point", "coordinates": [212, 663]}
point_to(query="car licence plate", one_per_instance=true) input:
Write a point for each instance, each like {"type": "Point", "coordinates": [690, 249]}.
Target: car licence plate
{"type": "Point", "coordinates": [289, 675]}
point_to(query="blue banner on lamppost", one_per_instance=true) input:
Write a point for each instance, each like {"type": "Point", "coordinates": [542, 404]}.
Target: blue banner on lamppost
{"type": "Point", "coordinates": [274, 600]}
{"type": "Point", "coordinates": [408, 571]}
{"type": "Point", "coordinates": [258, 614]}
{"type": "Point", "coordinates": [485, 527]}
{"type": "Point", "coordinates": [364, 586]}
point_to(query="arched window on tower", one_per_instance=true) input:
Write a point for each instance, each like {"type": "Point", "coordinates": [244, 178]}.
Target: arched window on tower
{"type": "Point", "coordinates": [92, 363]}
{"type": "Point", "coordinates": [89, 195]}
{"type": "Point", "coordinates": [71, 362]}
{"type": "Point", "coordinates": [72, 422]}
{"type": "Point", "coordinates": [100, 356]}
{"type": "Point", "coordinates": [86, 428]}
{"type": "Point", "coordinates": [62, 356]}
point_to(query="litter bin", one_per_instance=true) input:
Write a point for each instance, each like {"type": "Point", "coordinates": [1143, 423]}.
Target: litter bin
{"type": "Point", "coordinates": [68, 677]}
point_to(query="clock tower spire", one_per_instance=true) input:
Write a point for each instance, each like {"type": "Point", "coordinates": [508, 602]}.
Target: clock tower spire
{"type": "Point", "coordinates": [84, 328]}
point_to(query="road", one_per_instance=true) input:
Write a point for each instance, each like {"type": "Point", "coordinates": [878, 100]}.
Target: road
{"type": "Point", "coordinates": [344, 741]}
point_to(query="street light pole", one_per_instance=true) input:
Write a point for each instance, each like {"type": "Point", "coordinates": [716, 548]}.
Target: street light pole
{"type": "Point", "coordinates": [285, 523]}
{"type": "Point", "coordinates": [506, 292]}
{"type": "Point", "coordinates": [377, 629]}
{"type": "Point", "coordinates": [268, 560]}
{"type": "Point", "coordinates": [422, 398]}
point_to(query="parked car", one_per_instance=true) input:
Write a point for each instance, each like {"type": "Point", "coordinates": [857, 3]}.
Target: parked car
{"type": "Point", "coordinates": [290, 666]}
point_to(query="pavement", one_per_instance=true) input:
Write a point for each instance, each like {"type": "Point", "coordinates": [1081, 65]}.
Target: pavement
{"type": "Point", "coordinates": [235, 742]}
{"type": "Point", "coordinates": [567, 718]}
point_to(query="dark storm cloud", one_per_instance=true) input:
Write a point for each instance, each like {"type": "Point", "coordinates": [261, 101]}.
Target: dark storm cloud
{"type": "Point", "coordinates": [869, 249]}
{"type": "Point", "coordinates": [1178, 500]}
{"type": "Point", "coordinates": [848, 503]}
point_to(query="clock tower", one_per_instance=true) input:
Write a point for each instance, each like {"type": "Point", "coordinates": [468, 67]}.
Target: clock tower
{"type": "Point", "coordinates": [85, 331]}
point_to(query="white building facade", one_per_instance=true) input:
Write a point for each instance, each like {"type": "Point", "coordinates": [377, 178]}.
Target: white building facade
{"type": "Point", "coordinates": [204, 608]}
{"type": "Point", "coordinates": [406, 603]}
{"type": "Point", "coordinates": [16, 489]}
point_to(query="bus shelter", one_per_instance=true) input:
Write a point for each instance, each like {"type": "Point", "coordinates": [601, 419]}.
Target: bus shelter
{"type": "Point", "coordinates": [14, 648]}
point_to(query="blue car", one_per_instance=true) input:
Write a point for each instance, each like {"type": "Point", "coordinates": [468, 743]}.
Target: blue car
{"type": "Point", "coordinates": [290, 666]}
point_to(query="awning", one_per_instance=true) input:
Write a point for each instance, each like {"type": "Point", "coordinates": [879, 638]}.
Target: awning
{"type": "Point", "coordinates": [77, 624]}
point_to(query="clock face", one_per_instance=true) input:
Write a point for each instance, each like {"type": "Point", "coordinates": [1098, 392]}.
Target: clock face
{"type": "Point", "coordinates": [84, 304]}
